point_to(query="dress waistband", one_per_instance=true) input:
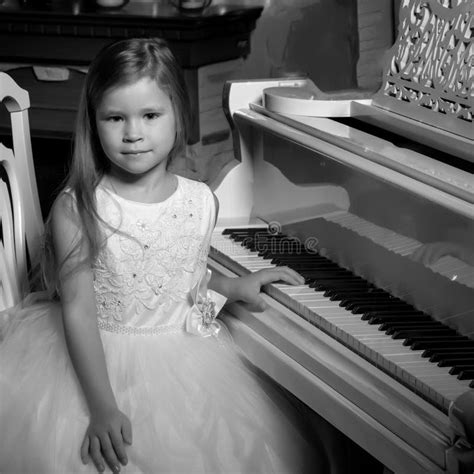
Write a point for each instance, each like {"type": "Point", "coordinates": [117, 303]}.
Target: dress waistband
{"type": "Point", "coordinates": [139, 331]}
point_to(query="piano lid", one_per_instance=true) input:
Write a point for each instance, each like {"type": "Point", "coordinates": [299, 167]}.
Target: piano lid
{"type": "Point", "coordinates": [427, 91]}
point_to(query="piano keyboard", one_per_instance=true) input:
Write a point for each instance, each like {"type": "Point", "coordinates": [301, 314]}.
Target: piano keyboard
{"type": "Point", "coordinates": [448, 266]}
{"type": "Point", "coordinates": [423, 354]}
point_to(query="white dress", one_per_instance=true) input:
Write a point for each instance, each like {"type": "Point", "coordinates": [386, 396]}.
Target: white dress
{"type": "Point", "coordinates": [194, 403]}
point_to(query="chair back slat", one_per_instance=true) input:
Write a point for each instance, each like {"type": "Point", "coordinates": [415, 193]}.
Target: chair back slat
{"type": "Point", "coordinates": [21, 221]}
{"type": "Point", "coordinates": [9, 274]}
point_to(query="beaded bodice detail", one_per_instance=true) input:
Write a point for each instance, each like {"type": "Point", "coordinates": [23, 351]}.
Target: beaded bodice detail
{"type": "Point", "coordinates": [144, 274]}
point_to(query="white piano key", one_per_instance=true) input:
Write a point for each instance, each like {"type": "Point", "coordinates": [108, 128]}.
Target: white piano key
{"type": "Point", "coordinates": [318, 302]}
{"type": "Point", "coordinates": [326, 311]}
{"type": "Point", "coordinates": [245, 259]}
{"type": "Point", "coordinates": [259, 265]}
{"type": "Point", "coordinates": [297, 290]}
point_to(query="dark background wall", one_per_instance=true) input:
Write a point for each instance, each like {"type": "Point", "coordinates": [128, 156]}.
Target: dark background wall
{"type": "Point", "coordinates": [317, 38]}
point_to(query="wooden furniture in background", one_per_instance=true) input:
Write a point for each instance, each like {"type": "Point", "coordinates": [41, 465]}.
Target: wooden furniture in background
{"type": "Point", "coordinates": [71, 34]}
{"type": "Point", "coordinates": [210, 46]}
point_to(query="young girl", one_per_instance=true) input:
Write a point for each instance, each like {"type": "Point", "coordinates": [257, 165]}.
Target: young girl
{"type": "Point", "coordinates": [130, 371]}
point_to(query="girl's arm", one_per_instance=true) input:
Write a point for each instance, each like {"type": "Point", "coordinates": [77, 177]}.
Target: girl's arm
{"type": "Point", "coordinates": [108, 426]}
{"type": "Point", "coordinates": [247, 288]}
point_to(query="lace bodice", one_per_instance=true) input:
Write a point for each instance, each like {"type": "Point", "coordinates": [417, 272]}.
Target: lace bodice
{"type": "Point", "coordinates": [144, 275]}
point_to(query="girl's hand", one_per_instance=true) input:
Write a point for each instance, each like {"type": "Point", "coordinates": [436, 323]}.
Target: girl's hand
{"type": "Point", "coordinates": [104, 440]}
{"type": "Point", "coordinates": [248, 287]}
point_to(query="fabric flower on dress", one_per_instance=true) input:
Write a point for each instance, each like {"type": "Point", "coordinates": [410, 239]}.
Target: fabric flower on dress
{"type": "Point", "coordinates": [201, 319]}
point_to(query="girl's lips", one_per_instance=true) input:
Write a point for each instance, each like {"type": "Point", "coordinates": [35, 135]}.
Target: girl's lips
{"type": "Point", "coordinates": [134, 152]}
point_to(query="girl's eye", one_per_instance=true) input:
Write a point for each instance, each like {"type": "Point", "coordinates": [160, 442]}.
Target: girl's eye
{"type": "Point", "coordinates": [114, 118]}
{"type": "Point", "coordinates": [152, 115]}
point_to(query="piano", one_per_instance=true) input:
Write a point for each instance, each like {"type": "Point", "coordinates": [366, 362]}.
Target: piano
{"type": "Point", "coordinates": [370, 198]}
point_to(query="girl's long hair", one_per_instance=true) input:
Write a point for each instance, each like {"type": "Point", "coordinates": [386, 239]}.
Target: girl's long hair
{"type": "Point", "coordinates": [120, 63]}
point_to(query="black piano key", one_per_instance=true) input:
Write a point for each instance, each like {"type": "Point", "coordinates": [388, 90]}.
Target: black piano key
{"type": "Point", "coordinates": [392, 304]}
{"type": "Point", "coordinates": [276, 238]}
{"type": "Point", "coordinates": [269, 253]}
{"type": "Point", "coordinates": [392, 327]}
{"type": "Point", "coordinates": [458, 369]}
{"type": "Point", "coordinates": [466, 374]}
{"type": "Point", "coordinates": [308, 262]}
{"type": "Point", "coordinates": [257, 239]}
{"type": "Point", "coordinates": [409, 311]}
{"type": "Point", "coordinates": [304, 267]}
{"type": "Point", "coordinates": [303, 257]}
{"type": "Point", "coordinates": [442, 356]}
{"type": "Point", "coordinates": [409, 316]}
{"type": "Point", "coordinates": [286, 259]}
{"type": "Point", "coordinates": [359, 308]}
{"type": "Point", "coordinates": [441, 345]}
{"type": "Point", "coordinates": [239, 232]}
{"type": "Point", "coordinates": [363, 305]}
{"type": "Point", "coordinates": [426, 323]}
{"type": "Point", "coordinates": [419, 334]}
{"type": "Point", "coordinates": [440, 352]}
{"type": "Point", "coordinates": [455, 362]}
{"type": "Point", "coordinates": [325, 271]}
{"type": "Point", "coordinates": [248, 230]}
{"type": "Point", "coordinates": [302, 261]}
{"type": "Point", "coordinates": [244, 239]}
{"type": "Point", "coordinates": [352, 298]}
{"type": "Point", "coordinates": [348, 290]}
{"type": "Point", "coordinates": [350, 295]}
{"type": "Point", "coordinates": [343, 294]}
{"type": "Point", "coordinates": [263, 237]}
{"type": "Point", "coordinates": [322, 275]}
{"type": "Point", "coordinates": [273, 246]}
{"type": "Point", "coordinates": [245, 229]}
{"type": "Point", "coordinates": [458, 339]}
{"type": "Point", "coordinates": [351, 302]}
{"type": "Point", "coordinates": [389, 314]}
{"type": "Point", "coordinates": [368, 295]}
{"type": "Point", "coordinates": [227, 231]}
{"type": "Point", "coordinates": [349, 281]}
{"type": "Point", "coordinates": [323, 284]}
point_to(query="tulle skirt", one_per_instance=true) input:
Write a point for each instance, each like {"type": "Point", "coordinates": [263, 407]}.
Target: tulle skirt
{"type": "Point", "coordinates": [195, 404]}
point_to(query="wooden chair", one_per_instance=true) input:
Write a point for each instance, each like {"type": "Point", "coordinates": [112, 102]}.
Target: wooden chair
{"type": "Point", "coordinates": [21, 222]}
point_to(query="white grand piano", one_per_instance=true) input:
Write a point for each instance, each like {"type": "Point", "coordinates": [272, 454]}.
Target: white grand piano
{"type": "Point", "coordinates": [372, 200]}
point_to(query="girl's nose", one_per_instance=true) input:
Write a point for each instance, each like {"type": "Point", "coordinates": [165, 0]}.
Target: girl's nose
{"type": "Point", "coordinates": [132, 133]}
{"type": "Point", "coordinates": [132, 139]}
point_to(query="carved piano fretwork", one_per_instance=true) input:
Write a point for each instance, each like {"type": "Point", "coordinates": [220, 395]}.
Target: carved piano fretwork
{"type": "Point", "coordinates": [379, 341]}
{"type": "Point", "coordinates": [431, 67]}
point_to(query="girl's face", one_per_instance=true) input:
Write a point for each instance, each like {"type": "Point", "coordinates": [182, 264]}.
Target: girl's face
{"type": "Point", "coordinates": [137, 127]}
